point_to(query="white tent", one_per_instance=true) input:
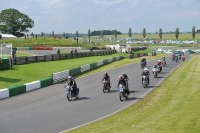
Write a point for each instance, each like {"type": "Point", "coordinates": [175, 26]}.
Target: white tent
{"type": "Point", "coordinates": [8, 36]}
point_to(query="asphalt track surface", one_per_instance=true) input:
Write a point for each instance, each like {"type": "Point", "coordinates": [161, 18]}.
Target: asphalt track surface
{"type": "Point", "coordinates": [47, 110]}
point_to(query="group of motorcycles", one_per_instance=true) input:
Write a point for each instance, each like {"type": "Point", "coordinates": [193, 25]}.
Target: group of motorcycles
{"type": "Point", "coordinates": [122, 90]}
{"type": "Point", "coordinates": [177, 57]}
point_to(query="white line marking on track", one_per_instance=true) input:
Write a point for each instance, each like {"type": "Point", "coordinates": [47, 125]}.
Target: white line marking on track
{"type": "Point", "coordinates": [125, 106]}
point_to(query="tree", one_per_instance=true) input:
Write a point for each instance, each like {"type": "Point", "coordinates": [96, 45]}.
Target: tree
{"type": "Point", "coordinates": [42, 34]}
{"type": "Point", "coordinates": [160, 33]}
{"type": "Point", "coordinates": [177, 33]}
{"type": "Point", "coordinates": [89, 35]}
{"type": "Point", "coordinates": [52, 34]}
{"type": "Point", "coordinates": [115, 33]}
{"type": "Point", "coordinates": [14, 22]}
{"type": "Point", "coordinates": [64, 34]}
{"type": "Point", "coordinates": [101, 33]}
{"type": "Point", "coordinates": [77, 35]}
{"type": "Point", "coordinates": [105, 32]}
{"type": "Point", "coordinates": [129, 32]}
{"type": "Point", "coordinates": [31, 33]}
{"type": "Point", "coordinates": [193, 32]}
{"type": "Point", "coordinates": [144, 32]}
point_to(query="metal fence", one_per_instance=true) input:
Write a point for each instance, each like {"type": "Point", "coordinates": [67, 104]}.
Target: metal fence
{"type": "Point", "coordinates": [52, 57]}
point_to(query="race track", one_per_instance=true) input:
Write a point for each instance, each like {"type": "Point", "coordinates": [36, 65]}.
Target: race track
{"type": "Point", "coordinates": [47, 110]}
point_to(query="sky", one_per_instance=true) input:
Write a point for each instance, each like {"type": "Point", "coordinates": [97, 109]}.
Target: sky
{"type": "Point", "coordinates": [70, 16]}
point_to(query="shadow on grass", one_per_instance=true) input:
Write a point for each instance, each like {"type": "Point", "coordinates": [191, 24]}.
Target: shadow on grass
{"type": "Point", "coordinates": [9, 80]}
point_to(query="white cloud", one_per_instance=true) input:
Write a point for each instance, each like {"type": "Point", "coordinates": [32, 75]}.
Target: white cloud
{"type": "Point", "coordinates": [109, 3]}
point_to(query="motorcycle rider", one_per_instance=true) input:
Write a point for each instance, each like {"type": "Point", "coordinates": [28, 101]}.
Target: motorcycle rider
{"type": "Point", "coordinates": [146, 73]}
{"type": "Point", "coordinates": [183, 58]}
{"type": "Point", "coordinates": [123, 79]}
{"type": "Point", "coordinates": [159, 64]}
{"type": "Point", "coordinates": [164, 59]}
{"type": "Point", "coordinates": [72, 83]}
{"type": "Point", "coordinates": [106, 78]}
{"type": "Point", "coordinates": [143, 61]}
{"type": "Point", "coordinates": [155, 67]}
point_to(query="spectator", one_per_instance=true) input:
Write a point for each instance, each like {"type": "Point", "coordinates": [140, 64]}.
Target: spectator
{"type": "Point", "coordinates": [36, 36]}
{"type": "Point", "coordinates": [27, 36]}
{"type": "Point", "coordinates": [71, 50]}
{"type": "Point", "coordinates": [24, 36]}
{"type": "Point", "coordinates": [91, 49]}
{"type": "Point", "coordinates": [58, 52]}
{"type": "Point", "coordinates": [44, 37]}
{"type": "Point", "coordinates": [75, 50]}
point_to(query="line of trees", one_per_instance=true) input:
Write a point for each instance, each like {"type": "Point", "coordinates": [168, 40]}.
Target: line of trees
{"type": "Point", "coordinates": [104, 32]}
{"type": "Point", "coordinates": [16, 23]}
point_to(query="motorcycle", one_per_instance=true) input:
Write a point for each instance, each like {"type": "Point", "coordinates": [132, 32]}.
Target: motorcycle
{"type": "Point", "coordinates": [142, 65]}
{"type": "Point", "coordinates": [145, 82]}
{"type": "Point", "coordinates": [176, 58]}
{"type": "Point", "coordinates": [70, 93]}
{"type": "Point", "coordinates": [122, 93]}
{"type": "Point", "coordinates": [183, 59]}
{"type": "Point", "coordinates": [159, 69]}
{"type": "Point", "coordinates": [155, 72]}
{"type": "Point", "coordinates": [172, 58]}
{"type": "Point", "coordinates": [179, 57]}
{"type": "Point", "coordinates": [163, 62]}
{"type": "Point", "coordinates": [106, 86]}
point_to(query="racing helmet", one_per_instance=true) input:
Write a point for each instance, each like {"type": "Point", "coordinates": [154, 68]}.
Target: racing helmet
{"type": "Point", "coordinates": [69, 78]}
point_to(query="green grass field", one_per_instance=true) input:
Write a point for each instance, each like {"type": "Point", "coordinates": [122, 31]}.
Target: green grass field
{"type": "Point", "coordinates": [49, 41]}
{"type": "Point", "coordinates": [185, 36]}
{"type": "Point", "coordinates": [171, 108]}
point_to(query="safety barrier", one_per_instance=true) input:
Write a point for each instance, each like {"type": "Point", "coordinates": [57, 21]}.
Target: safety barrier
{"type": "Point", "coordinates": [131, 56]}
{"type": "Point", "coordinates": [62, 76]}
{"type": "Point", "coordinates": [53, 57]}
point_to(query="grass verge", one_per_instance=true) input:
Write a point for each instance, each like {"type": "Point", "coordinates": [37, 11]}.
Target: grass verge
{"type": "Point", "coordinates": [171, 108]}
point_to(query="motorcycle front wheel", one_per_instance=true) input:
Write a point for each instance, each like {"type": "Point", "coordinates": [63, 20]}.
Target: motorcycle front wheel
{"type": "Point", "coordinates": [121, 97]}
{"type": "Point", "coordinates": [69, 97]}
{"type": "Point", "coordinates": [104, 89]}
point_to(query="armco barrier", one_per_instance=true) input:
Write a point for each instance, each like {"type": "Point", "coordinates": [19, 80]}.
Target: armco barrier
{"type": "Point", "coordinates": [93, 65]}
{"type": "Point", "coordinates": [85, 67]}
{"type": "Point", "coordinates": [48, 57]}
{"type": "Point", "coordinates": [46, 82]}
{"type": "Point", "coordinates": [60, 76]}
{"type": "Point", "coordinates": [56, 56]}
{"type": "Point", "coordinates": [15, 90]}
{"type": "Point", "coordinates": [32, 59]}
{"type": "Point", "coordinates": [75, 71]}
{"type": "Point", "coordinates": [99, 63]}
{"type": "Point", "coordinates": [63, 56]}
{"type": "Point", "coordinates": [4, 93]}
{"type": "Point", "coordinates": [32, 85]}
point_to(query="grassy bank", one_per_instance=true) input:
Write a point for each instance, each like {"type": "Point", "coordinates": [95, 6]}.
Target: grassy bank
{"type": "Point", "coordinates": [171, 108]}
{"type": "Point", "coordinates": [21, 74]}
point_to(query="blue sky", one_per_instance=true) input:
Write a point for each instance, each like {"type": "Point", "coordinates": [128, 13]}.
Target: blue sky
{"type": "Point", "coordinates": [71, 15]}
